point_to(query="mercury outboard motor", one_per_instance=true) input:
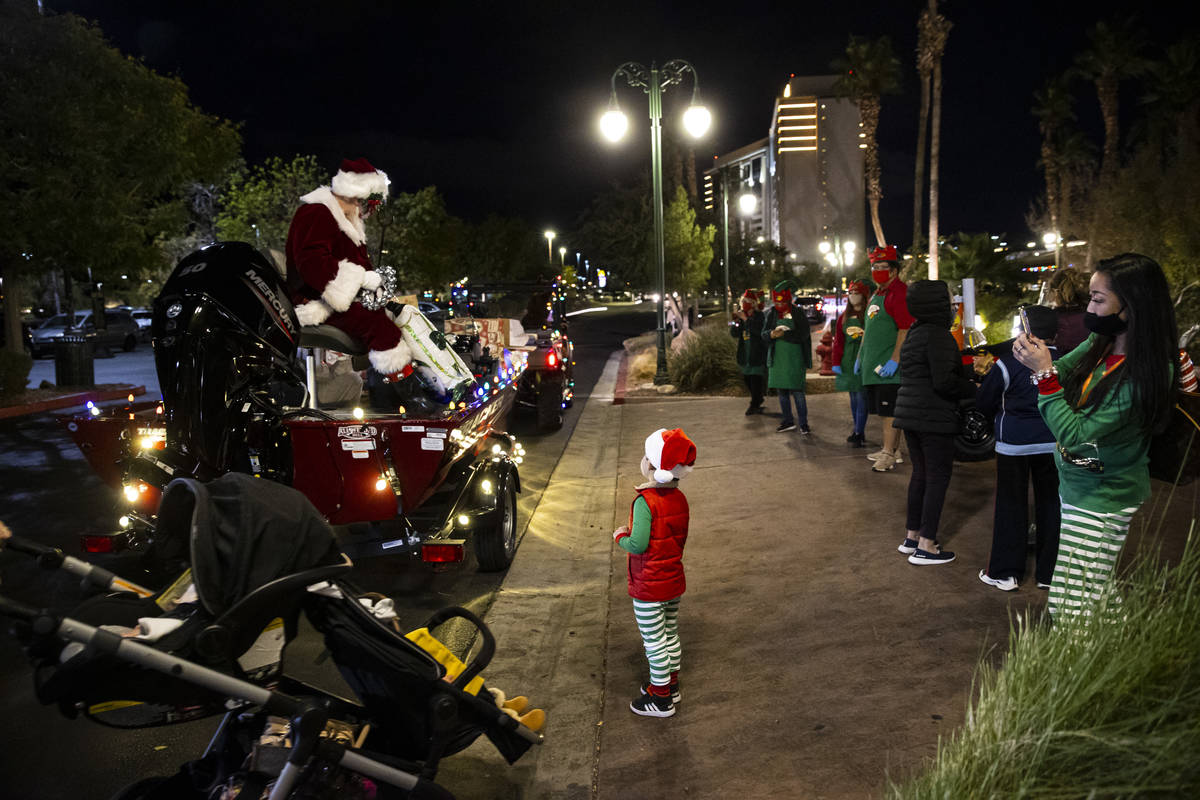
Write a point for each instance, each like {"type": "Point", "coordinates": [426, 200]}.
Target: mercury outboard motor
{"type": "Point", "coordinates": [225, 337]}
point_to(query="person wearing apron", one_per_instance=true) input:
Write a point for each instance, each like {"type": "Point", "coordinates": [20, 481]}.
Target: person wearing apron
{"type": "Point", "coordinates": [878, 362]}
{"type": "Point", "coordinates": [788, 337]}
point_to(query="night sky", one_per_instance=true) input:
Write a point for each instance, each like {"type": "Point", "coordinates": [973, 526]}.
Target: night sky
{"type": "Point", "coordinates": [497, 103]}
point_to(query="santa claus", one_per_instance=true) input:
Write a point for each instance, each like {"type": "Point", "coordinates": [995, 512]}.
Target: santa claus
{"type": "Point", "coordinates": [328, 265]}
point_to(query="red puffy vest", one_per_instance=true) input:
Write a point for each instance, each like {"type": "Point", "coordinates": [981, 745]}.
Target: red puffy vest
{"type": "Point", "coordinates": [657, 574]}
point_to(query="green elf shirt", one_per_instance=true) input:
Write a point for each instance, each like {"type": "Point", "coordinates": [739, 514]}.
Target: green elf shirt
{"type": "Point", "coordinates": [1109, 432]}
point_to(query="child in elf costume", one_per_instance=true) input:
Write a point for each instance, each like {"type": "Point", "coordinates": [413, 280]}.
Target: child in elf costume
{"type": "Point", "coordinates": [788, 337]}
{"type": "Point", "coordinates": [654, 539]}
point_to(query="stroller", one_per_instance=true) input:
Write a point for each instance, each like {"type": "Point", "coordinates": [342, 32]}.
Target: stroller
{"type": "Point", "coordinates": [251, 555]}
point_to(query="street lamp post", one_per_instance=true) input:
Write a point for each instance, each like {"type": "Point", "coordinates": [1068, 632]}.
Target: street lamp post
{"type": "Point", "coordinates": [614, 124]}
{"type": "Point", "coordinates": [550, 248]}
{"type": "Point", "coordinates": [562, 257]}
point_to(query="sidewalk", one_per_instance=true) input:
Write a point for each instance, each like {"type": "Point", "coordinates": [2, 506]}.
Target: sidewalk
{"type": "Point", "coordinates": [817, 661]}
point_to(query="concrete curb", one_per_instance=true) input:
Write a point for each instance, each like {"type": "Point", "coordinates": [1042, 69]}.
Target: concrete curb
{"type": "Point", "coordinates": [69, 400]}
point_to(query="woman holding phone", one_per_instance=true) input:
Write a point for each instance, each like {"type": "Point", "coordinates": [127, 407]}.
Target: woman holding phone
{"type": "Point", "coordinates": [1103, 402]}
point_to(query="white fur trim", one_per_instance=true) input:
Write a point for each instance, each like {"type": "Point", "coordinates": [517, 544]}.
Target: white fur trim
{"type": "Point", "coordinates": [654, 448]}
{"type": "Point", "coordinates": [341, 291]}
{"type": "Point", "coordinates": [663, 475]}
{"type": "Point", "coordinates": [360, 184]}
{"type": "Point", "coordinates": [314, 312]}
{"type": "Point", "coordinates": [355, 230]}
{"type": "Point", "coordinates": [389, 362]}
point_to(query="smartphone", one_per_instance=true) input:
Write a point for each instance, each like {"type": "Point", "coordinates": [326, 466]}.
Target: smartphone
{"type": "Point", "coordinates": [1024, 321]}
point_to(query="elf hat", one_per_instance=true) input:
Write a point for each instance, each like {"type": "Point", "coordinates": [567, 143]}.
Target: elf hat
{"type": "Point", "coordinates": [752, 298]}
{"type": "Point", "coordinates": [358, 179]}
{"type": "Point", "coordinates": [858, 286]}
{"type": "Point", "coordinates": [671, 453]}
{"type": "Point", "coordinates": [782, 293]}
{"type": "Point", "coordinates": [886, 254]}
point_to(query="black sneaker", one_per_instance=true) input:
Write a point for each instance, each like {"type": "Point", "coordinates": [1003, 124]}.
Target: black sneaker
{"type": "Point", "coordinates": [649, 705]}
{"type": "Point", "coordinates": [852, 438]}
{"type": "Point", "coordinates": [925, 558]}
{"type": "Point", "coordinates": [750, 411]}
{"type": "Point", "coordinates": [674, 691]}
{"type": "Point", "coordinates": [805, 430]}
{"type": "Point", "coordinates": [785, 426]}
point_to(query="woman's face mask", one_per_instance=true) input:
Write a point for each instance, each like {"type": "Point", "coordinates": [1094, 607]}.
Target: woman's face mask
{"type": "Point", "coordinates": [855, 299]}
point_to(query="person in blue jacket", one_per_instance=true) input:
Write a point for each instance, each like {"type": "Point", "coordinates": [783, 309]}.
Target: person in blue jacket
{"type": "Point", "coordinates": [1024, 454]}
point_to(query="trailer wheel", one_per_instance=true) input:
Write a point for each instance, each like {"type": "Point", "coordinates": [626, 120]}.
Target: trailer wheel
{"type": "Point", "coordinates": [549, 404]}
{"type": "Point", "coordinates": [976, 441]}
{"type": "Point", "coordinates": [496, 544]}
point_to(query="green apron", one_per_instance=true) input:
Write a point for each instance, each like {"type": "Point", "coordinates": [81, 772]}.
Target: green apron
{"type": "Point", "coordinates": [878, 342]}
{"type": "Point", "coordinates": [848, 381]}
{"type": "Point", "coordinates": [744, 350]}
{"type": "Point", "coordinates": [786, 362]}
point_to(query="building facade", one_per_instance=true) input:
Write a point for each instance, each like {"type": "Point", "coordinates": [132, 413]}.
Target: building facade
{"type": "Point", "coordinates": [806, 176]}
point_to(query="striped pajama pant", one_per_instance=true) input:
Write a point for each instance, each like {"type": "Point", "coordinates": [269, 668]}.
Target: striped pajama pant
{"type": "Point", "coordinates": [1089, 545]}
{"type": "Point", "coordinates": [658, 624]}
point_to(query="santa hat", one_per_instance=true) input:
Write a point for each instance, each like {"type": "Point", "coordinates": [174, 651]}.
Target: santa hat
{"type": "Point", "coordinates": [887, 253]}
{"type": "Point", "coordinates": [358, 179]}
{"type": "Point", "coordinates": [858, 286]}
{"type": "Point", "coordinates": [752, 298]}
{"type": "Point", "coordinates": [671, 453]}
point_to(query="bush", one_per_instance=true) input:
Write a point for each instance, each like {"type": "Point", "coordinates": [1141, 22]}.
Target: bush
{"type": "Point", "coordinates": [707, 361]}
{"type": "Point", "coordinates": [1099, 709]}
{"type": "Point", "coordinates": [14, 373]}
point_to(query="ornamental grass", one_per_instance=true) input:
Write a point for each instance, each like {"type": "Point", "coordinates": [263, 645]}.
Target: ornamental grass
{"type": "Point", "coordinates": [707, 360]}
{"type": "Point", "coordinates": [1087, 708]}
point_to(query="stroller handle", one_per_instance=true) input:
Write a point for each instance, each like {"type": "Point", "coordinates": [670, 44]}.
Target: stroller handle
{"type": "Point", "coordinates": [53, 558]}
{"type": "Point", "coordinates": [486, 650]}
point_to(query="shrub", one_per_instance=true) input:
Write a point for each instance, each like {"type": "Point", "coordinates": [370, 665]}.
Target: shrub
{"type": "Point", "coordinates": [14, 373]}
{"type": "Point", "coordinates": [1099, 709]}
{"type": "Point", "coordinates": [707, 361]}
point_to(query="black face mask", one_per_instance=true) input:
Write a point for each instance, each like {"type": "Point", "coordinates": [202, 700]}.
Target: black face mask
{"type": "Point", "coordinates": [1107, 325]}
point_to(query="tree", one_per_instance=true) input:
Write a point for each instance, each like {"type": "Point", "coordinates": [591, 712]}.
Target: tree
{"type": "Point", "coordinates": [1052, 108]}
{"type": "Point", "coordinates": [1171, 98]}
{"type": "Point", "coordinates": [415, 234]}
{"type": "Point", "coordinates": [869, 69]}
{"type": "Point", "coordinates": [98, 151]}
{"type": "Point", "coordinates": [937, 31]}
{"type": "Point", "coordinates": [501, 249]}
{"type": "Point", "coordinates": [999, 283]}
{"type": "Point", "coordinates": [259, 202]}
{"type": "Point", "coordinates": [1113, 54]}
{"type": "Point", "coordinates": [617, 233]}
{"type": "Point", "coordinates": [687, 246]}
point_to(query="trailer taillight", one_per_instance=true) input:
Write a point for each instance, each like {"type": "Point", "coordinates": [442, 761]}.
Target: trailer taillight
{"type": "Point", "coordinates": [98, 544]}
{"type": "Point", "coordinates": [442, 552]}
{"type": "Point", "coordinates": [552, 359]}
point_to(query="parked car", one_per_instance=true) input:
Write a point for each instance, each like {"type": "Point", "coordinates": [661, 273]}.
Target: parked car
{"type": "Point", "coordinates": [120, 331]}
{"type": "Point", "coordinates": [813, 307]}
{"type": "Point", "coordinates": [142, 317]}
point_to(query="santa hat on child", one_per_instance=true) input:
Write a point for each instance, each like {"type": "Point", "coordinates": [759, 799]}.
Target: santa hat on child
{"type": "Point", "coordinates": [358, 179]}
{"type": "Point", "coordinates": [671, 453]}
{"type": "Point", "coordinates": [752, 298]}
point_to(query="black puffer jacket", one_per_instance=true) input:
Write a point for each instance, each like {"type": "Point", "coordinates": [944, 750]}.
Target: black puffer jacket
{"type": "Point", "coordinates": [932, 377]}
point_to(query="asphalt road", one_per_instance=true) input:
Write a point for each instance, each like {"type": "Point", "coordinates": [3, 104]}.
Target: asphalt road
{"type": "Point", "coordinates": [48, 493]}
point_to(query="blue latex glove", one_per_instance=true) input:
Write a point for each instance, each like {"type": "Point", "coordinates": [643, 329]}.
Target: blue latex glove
{"type": "Point", "coordinates": [837, 370]}
{"type": "Point", "coordinates": [857, 366]}
{"type": "Point", "coordinates": [888, 369]}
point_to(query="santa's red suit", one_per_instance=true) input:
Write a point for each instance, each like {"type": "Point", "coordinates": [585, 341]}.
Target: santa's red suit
{"type": "Point", "coordinates": [327, 265]}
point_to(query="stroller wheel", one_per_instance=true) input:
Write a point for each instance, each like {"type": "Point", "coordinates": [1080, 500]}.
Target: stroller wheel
{"type": "Point", "coordinates": [142, 790]}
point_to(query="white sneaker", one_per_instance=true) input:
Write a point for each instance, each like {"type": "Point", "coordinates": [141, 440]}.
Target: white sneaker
{"type": "Point", "coordinates": [1008, 584]}
{"type": "Point", "coordinates": [895, 454]}
{"type": "Point", "coordinates": [884, 463]}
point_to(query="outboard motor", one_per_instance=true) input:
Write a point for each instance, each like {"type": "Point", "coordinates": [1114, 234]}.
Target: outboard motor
{"type": "Point", "coordinates": [225, 337]}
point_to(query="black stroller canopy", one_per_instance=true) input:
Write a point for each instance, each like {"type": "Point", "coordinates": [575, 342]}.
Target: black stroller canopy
{"type": "Point", "coordinates": [244, 532]}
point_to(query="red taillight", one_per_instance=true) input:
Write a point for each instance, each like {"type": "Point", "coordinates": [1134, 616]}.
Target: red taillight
{"type": "Point", "coordinates": [442, 552]}
{"type": "Point", "coordinates": [551, 359]}
{"type": "Point", "coordinates": [98, 544]}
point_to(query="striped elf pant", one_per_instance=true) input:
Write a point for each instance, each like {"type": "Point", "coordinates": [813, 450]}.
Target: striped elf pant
{"type": "Point", "coordinates": [657, 621]}
{"type": "Point", "coordinates": [1088, 547]}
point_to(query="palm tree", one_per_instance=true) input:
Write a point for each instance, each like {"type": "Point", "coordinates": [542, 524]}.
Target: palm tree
{"type": "Point", "coordinates": [1172, 97]}
{"type": "Point", "coordinates": [924, 71]}
{"type": "Point", "coordinates": [1112, 55]}
{"type": "Point", "coordinates": [1052, 107]}
{"type": "Point", "coordinates": [869, 70]}
{"type": "Point", "coordinates": [938, 31]}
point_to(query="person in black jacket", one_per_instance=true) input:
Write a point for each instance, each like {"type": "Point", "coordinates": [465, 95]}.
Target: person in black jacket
{"type": "Point", "coordinates": [1024, 451]}
{"type": "Point", "coordinates": [932, 382]}
{"type": "Point", "coordinates": [746, 327]}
